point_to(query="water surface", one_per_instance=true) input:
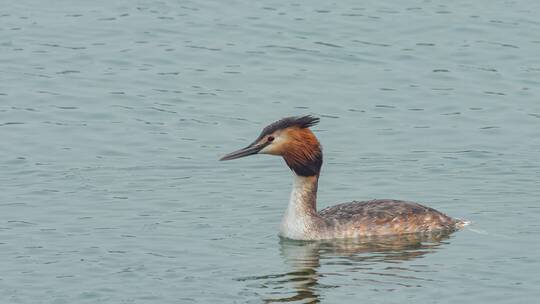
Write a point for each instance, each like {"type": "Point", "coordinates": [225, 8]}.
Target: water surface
{"type": "Point", "coordinates": [113, 115]}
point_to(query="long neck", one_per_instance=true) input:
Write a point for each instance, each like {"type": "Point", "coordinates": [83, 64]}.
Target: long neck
{"type": "Point", "coordinates": [304, 195]}
{"type": "Point", "coordinates": [301, 215]}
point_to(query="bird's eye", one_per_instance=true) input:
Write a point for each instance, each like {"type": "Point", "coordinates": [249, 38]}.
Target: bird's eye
{"type": "Point", "coordinates": [270, 138]}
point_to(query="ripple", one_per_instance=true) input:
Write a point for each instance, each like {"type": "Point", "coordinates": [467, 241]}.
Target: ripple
{"type": "Point", "coordinates": [328, 44]}
{"type": "Point", "coordinates": [11, 123]}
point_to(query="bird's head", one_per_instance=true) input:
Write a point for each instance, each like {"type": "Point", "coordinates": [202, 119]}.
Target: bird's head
{"type": "Point", "coordinates": [290, 138]}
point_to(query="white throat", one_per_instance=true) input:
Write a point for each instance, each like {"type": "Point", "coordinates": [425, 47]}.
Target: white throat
{"type": "Point", "coordinates": [299, 218]}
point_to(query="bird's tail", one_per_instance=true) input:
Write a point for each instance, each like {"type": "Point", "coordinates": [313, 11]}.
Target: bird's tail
{"type": "Point", "coordinates": [462, 223]}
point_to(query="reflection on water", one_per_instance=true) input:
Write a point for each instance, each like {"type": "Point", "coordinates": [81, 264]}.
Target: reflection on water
{"type": "Point", "coordinates": [368, 258]}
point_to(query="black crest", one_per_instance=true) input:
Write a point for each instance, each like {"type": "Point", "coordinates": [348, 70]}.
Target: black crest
{"type": "Point", "coordinates": [287, 122]}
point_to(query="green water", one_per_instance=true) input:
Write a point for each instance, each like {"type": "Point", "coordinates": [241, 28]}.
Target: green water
{"type": "Point", "coordinates": [113, 115]}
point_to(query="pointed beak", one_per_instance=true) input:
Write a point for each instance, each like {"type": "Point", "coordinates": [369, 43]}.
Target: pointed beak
{"type": "Point", "coordinates": [254, 148]}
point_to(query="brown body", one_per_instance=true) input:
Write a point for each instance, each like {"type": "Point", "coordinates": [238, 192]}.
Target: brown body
{"type": "Point", "coordinates": [386, 217]}
{"type": "Point", "coordinates": [302, 152]}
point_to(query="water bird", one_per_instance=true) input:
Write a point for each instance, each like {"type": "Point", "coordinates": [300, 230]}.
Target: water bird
{"type": "Point", "coordinates": [292, 139]}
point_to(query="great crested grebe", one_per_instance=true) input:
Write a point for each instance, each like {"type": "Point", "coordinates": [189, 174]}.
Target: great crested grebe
{"type": "Point", "coordinates": [292, 139]}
